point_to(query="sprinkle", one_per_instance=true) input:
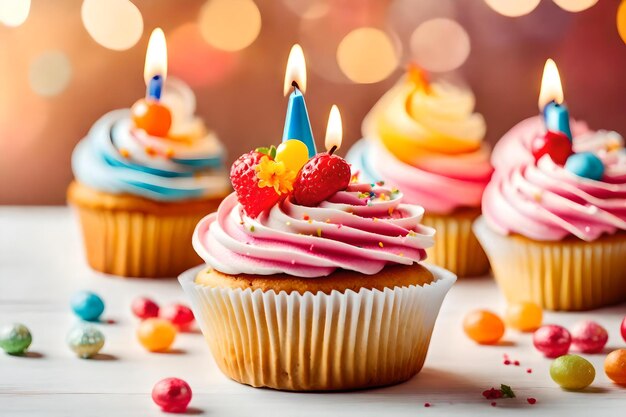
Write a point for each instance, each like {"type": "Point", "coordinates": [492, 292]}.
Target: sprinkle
{"type": "Point", "coordinates": [412, 233]}
{"type": "Point", "coordinates": [537, 196]}
{"type": "Point", "coordinates": [531, 400]}
{"type": "Point", "coordinates": [305, 217]}
{"type": "Point", "coordinates": [390, 210]}
{"type": "Point", "coordinates": [288, 223]}
{"type": "Point", "coordinates": [372, 185]}
{"type": "Point", "coordinates": [375, 219]}
{"type": "Point", "coordinates": [241, 222]}
{"type": "Point", "coordinates": [293, 262]}
{"type": "Point", "coordinates": [529, 371]}
{"type": "Point", "coordinates": [319, 232]}
{"type": "Point", "coordinates": [516, 363]}
{"type": "Point", "coordinates": [252, 228]}
{"type": "Point", "coordinates": [355, 177]}
{"type": "Point", "coordinates": [125, 153]}
{"type": "Point", "coordinates": [401, 254]}
{"type": "Point", "coordinates": [394, 191]}
{"type": "Point", "coordinates": [311, 248]}
{"type": "Point", "coordinates": [380, 183]}
{"type": "Point", "coordinates": [426, 405]}
{"type": "Point", "coordinates": [507, 362]}
{"type": "Point", "coordinates": [384, 197]}
{"type": "Point", "coordinates": [150, 150]}
{"type": "Point", "coordinates": [327, 220]}
{"type": "Point", "coordinates": [380, 244]}
{"type": "Point", "coordinates": [363, 195]}
{"type": "Point", "coordinates": [310, 221]}
{"type": "Point", "coordinates": [169, 152]}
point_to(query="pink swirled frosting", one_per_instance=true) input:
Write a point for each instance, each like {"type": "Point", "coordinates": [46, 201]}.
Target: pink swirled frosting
{"type": "Point", "coordinates": [360, 229]}
{"type": "Point", "coordinates": [544, 201]}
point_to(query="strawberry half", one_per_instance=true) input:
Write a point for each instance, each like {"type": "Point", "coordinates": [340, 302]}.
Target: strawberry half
{"type": "Point", "coordinates": [320, 178]}
{"type": "Point", "coordinates": [243, 176]}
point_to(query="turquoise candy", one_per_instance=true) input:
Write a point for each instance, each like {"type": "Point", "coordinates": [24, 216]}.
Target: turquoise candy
{"type": "Point", "coordinates": [87, 305]}
{"type": "Point", "coordinates": [85, 340]}
{"type": "Point", "coordinates": [15, 338]}
{"type": "Point", "coordinates": [586, 165]}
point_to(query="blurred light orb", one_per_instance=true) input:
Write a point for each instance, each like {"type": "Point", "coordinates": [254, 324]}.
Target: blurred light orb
{"type": "Point", "coordinates": [621, 20]}
{"type": "Point", "coordinates": [367, 55]}
{"type": "Point", "coordinates": [308, 9]}
{"type": "Point", "coordinates": [575, 5]}
{"type": "Point", "coordinates": [230, 25]}
{"type": "Point", "coordinates": [513, 8]}
{"type": "Point", "coordinates": [14, 12]}
{"type": "Point", "coordinates": [50, 73]}
{"type": "Point", "coordinates": [114, 24]}
{"type": "Point", "coordinates": [187, 48]}
{"type": "Point", "coordinates": [440, 45]}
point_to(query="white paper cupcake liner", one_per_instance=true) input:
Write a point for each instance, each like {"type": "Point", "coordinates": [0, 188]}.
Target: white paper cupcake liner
{"type": "Point", "coordinates": [318, 342]}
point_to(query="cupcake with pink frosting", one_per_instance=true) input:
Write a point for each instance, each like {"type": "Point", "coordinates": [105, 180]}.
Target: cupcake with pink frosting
{"type": "Point", "coordinates": [304, 267]}
{"type": "Point", "coordinates": [554, 216]}
{"type": "Point", "coordinates": [426, 139]}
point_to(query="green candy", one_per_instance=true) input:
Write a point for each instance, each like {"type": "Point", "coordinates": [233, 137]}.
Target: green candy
{"type": "Point", "coordinates": [15, 338]}
{"type": "Point", "coordinates": [572, 372]}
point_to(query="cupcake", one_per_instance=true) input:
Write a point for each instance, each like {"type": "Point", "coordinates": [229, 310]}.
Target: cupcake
{"type": "Point", "coordinates": [554, 217]}
{"type": "Point", "coordinates": [426, 139]}
{"type": "Point", "coordinates": [139, 196]}
{"type": "Point", "coordinates": [313, 283]}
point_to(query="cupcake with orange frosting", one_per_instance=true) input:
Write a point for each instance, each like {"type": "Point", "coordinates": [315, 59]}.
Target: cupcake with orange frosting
{"type": "Point", "coordinates": [140, 193]}
{"type": "Point", "coordinates": [314, 283]}
{"type": "Point", "coordinates": [426, 139]}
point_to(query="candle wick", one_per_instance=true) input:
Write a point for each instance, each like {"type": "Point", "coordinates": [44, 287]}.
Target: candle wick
{"type": "Point", "coordinates": [295, 85]}
{"type": "Point", "coordinates": [332, 150]}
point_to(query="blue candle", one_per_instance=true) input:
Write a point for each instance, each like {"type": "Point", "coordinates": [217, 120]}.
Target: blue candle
{"type": "Point", "coordinates": [297, 124]}
{"type": "Point", "coordinates": [556, 118]}
{"type": "Point", "coordinates": [155, 87]}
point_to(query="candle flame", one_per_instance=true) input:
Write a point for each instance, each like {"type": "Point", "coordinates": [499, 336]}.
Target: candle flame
{"type": "Point", "coordinates": [334, 129]}
{"type": "Point", "coordinates": [551, 89]}
{"type": "Point", "coordinates": [296, 70]}
{"type": "Point", "coordinates": [156, 56]}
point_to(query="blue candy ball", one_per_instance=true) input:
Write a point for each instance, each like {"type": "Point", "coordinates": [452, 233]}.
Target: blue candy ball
{"type": "Point", "coordinates": [87, 305]}
{"type": "Point", "coordinates": [586, 165]}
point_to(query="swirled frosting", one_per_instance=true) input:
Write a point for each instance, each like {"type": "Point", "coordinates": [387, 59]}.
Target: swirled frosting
{"type": "Point", "coordinates": [427, 141]}
{"type": "Point", "coordinates": [118, 158]}
{"type": "Point", "coordinates": [542, 200]}
{"type": "Point", "coordinates": [360, 229]}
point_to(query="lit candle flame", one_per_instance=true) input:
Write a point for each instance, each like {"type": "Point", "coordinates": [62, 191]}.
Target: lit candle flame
{"type": "Point", "coordinates": [156, 56]}
{"type": "Point", "coordinates": [296, 70]}
{"type": "Point", "coordinates": [334, 130]}
{"type": "Point", "coordinates": [551, 89]}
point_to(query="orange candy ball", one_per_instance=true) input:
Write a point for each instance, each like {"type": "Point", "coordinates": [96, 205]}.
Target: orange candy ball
{"type": "Point", "coordinates": [615, 366]}
{"type": "Point", "coordinates": [152, 116]}
{"type": "Point", "coordinates": [156, 335]}
{"type": "Point", "coordinates": [525, 316]}
{"type": "Point", "coordinates": [483, 327]}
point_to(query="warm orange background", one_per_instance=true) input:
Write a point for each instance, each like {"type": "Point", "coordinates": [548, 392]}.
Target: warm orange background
{"type": "Point", "coordinates": [242, 93]}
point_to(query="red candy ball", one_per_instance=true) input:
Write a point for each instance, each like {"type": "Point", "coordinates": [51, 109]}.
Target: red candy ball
{"type": "Point", "coordinates": [589, 337]}
{"type": "Point", "coordinates": [555, 144]}
{"type": "Point", "coordinates": [144, 308]}
{"type": "Point", "coordinates": [172, 395]}
{"type": "Point", "coordinates": [179, 315]}
{"type": "Point", "coordinates": [552, 340]}
{"type": "Point", "coordinates": [623, 329]}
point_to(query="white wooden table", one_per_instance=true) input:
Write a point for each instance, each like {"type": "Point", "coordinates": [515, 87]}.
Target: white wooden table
{"type": "Point", "coordinates": [42, 265]}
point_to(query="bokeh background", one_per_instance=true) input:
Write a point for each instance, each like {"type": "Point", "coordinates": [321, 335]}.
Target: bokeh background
{"type": "Point", "coordinates": [64, 63]}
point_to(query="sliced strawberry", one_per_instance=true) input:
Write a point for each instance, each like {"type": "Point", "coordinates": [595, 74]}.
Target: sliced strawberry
{"type": "Point", "coordinates": [320, 178]}
{"type": "Point", "coordinates": [243, 176]}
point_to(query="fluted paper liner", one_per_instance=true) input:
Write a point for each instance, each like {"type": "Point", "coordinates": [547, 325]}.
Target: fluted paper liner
{"type": "Point", "coordinates": [318, 342]}
{"type": "Point", "coordinates": [565, 275]}
{"type": "Point", "coordinates": [456, 247]}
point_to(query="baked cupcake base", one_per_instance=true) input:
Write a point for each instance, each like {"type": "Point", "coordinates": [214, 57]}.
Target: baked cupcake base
{"type": "Point", "coordinates": [568, 275]}
{"type": "Point", "coordinates": [456, 247]}
{"type": "Point", "coordinates": [323, 334]}
{"type": "Point", "coordinates": [132, 236]}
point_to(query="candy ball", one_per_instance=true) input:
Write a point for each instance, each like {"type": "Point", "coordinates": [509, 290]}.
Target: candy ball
{"type": "Point", "coordinates": [293, 153]}
{"type": "Point", "coordinates": [156, 334]}
{"type": "Point", "coordinates": [152, 116]}
{"type": "Point", "coordinates": [144, 308]}
{"type": "Point", "coordinates": [483, 327]}
{"type": "Point", "coordinates": [179, 315]}
{"type": "Point", "coordinates": [525, 316]}
{"type": "Point", "coordinates": [615, 366]}
{"type": "Point", "coordinates": [589, 337]}
{"type": "Point", "coordinates": [552, 340]}
{"type": "Point", "coordinates": [87, 305]}
{"type": "Point", "coordinates": [15, 338]}
{"type": "Point", "coordinates": [172, 395]}
{"type": "Point", "coordinates": [572, 372]}
{"type": "Point", "coordinates": [555, 144]}
{"type": "Point", "coordinates": [86, 341]}
{"type": "Point", "coordinates": [586, 165]}
{"type": "Point", "coordinates": [623, 329]}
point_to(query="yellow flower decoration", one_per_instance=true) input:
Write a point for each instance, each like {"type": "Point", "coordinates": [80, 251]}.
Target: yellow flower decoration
{"type": "Point", "coordinates": [274, 174]}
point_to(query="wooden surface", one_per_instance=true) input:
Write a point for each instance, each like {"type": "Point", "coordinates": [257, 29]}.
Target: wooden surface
{"type": "Point", "coordinates": [42, 265]}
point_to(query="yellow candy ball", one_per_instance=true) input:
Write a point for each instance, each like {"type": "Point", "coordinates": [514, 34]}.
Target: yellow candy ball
{"type": "Point", "coordinates": [156, 335]}
{"type": "Point", "coordinates": [293, 153]}
{"type": "Point", "coordinates": [525, 316]}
